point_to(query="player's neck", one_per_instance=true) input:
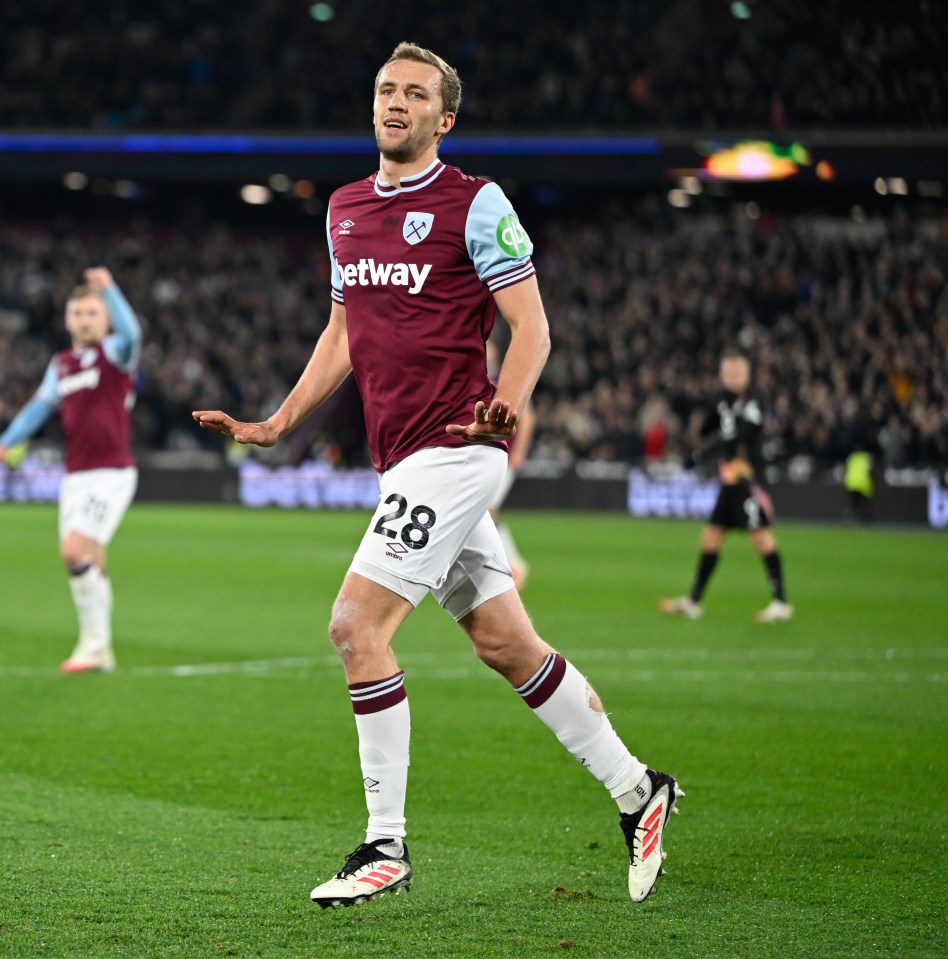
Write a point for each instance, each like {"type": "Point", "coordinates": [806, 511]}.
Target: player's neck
{"type": "Point", "coordinates": [392, 172]}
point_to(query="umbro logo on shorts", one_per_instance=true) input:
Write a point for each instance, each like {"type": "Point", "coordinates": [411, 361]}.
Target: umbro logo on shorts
{"type": "Point", "coordinates": [395, 550]}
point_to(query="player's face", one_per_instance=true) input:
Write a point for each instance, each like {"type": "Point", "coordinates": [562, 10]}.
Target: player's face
{"type": "Point", "coordinates": [735, 374]}
{"type": "Point", "coordinates": [87, 320]}
{"type": "Point", "coordinates": [408, 115]}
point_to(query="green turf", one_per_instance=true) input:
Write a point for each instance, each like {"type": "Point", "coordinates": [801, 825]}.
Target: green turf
{"type": "Point", "coordinates": [180, 812]}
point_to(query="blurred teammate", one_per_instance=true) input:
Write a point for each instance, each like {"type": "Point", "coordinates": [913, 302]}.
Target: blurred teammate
{"type": "Point", "coordinates": [518, 449]}
{"type": "Point", "coordinates": [423, 256]}
{"type": "Point", "coordinates": [742, 503]}
{"type": "Point", "coordinates": [91, 385]}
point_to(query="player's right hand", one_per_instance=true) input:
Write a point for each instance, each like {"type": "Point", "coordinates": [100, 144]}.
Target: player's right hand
{"type": "Point", "coordinates": [258, 434]}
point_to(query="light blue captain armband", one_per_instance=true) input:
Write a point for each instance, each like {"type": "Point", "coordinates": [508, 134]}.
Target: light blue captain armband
{"type": "Point", "coordinates": [496, 242]}
{"type": "Point", "coordinates": [122, 345]}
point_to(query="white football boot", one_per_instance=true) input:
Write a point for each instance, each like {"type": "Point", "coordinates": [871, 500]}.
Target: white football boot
{"type": "Point", "coordinates": [776, 612]}
{"type": "Point", "coordinates": [643, 834]}
{"type": "Point", "coordinates": [90, 657]}
{"type": "Point", "coordinates": [369, 872]}
{"type": "Point", "coordinates": [681, 606]}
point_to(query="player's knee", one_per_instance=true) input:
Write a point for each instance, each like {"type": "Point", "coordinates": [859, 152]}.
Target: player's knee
{"type": "Point", "coordinates": [711, 539]}
{"type": "Point", "coordinates": [74, 554]}
{"type": "Point", "coordinates": [342, 637]}
{"type": "Point", "coordinates": [349, 634]}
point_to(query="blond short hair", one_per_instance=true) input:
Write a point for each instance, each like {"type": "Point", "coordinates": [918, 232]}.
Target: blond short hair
{"type": "Point", "coordinates": [450, 81]}
{"type": "Point", "coordinates": [83, 289]}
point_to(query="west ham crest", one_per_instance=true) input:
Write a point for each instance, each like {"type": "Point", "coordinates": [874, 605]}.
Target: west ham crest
{"type": "Point", "coordinates": [417, 226]}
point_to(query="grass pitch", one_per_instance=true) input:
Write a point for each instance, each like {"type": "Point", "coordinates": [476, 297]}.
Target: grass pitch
{"type": "Point", "coordinates": [185, 805]}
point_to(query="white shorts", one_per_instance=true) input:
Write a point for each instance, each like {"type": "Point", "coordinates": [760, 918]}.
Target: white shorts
{"type": "Point", "coordinates": [509, 476]}
{"type": "Point", "coordinates": [432, 533]}
{"type": "Point", "coordinates": [93, 502]}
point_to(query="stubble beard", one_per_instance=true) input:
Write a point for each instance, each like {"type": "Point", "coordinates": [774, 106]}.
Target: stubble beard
{"type": "Point", "coordinates": [404, 152]}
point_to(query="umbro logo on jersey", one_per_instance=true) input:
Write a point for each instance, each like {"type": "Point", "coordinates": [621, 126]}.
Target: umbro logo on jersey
{"type": "Point", "coordinates": [369, 273]}
{"type": "Point", "coordinates": [417, 226]}
{"type": "Point", "coordinates": [369, 782]}
{"type": "Point", "coordinates": [346, 227]}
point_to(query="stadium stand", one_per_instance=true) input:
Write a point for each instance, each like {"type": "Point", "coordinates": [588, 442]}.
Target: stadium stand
{"type": "Point", "coordinates": [692, 64]}
{"type": "Point", "coordinates": [846, 321]}
{"type": "Point", "coordinates": [847, 325]}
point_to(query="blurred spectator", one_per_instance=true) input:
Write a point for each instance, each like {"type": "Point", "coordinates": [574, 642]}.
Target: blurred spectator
{"type": "Point", "coordinates": [846, 325]}
{"type": "Point", "coordinates": [268, 64]}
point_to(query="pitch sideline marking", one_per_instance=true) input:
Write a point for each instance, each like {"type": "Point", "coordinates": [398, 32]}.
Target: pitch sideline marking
{"type": "Point", "coordinates": [433, 666]}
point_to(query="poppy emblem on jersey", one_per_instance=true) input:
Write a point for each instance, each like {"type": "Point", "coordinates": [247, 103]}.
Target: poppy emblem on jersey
{"type": "Point", "coordinates": [417, 226]}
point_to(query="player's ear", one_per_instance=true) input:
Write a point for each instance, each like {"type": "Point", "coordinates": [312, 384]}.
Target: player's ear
{"type": "Point", "coordinates": [447, 123]}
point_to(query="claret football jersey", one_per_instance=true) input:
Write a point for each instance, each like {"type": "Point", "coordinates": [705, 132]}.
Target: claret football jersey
{"type": "Point", "coordinates": [95, 397]}
{"type": "Point", "coordinates": [416, 266]}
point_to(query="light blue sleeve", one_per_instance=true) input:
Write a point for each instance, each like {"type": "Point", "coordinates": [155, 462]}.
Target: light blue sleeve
{"type": "Point", "coordinates": [496, 242]}
{"type": "Point", "coordinates": [36, 412]}
{"type": "Point", "coordinates": [336, 276]}
{"type": "Point", "coordinates": [123, 344]}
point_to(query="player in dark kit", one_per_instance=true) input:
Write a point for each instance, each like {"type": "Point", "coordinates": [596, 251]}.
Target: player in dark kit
{"type": "Point", "coordinates": [742, 503]}
{"type": "Point", "coordinates": [423, 257]}
{"type": "Point", "coordinates": [91, 385]}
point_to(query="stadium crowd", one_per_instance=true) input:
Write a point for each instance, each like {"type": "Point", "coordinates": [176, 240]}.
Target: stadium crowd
{"type": "Point", "coordinates": [847, 326]}
{"type": "Point", "coordinates": [289, 64]}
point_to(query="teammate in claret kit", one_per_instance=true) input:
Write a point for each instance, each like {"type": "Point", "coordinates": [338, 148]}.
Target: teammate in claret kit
{"type": "Point", "coordinates": [91, 385]}
{"type": "Point", "coordinates": [423, 257]}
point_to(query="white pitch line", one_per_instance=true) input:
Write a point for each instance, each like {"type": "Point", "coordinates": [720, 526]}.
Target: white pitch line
{"type": "Point", "coordinates": [434, 666]}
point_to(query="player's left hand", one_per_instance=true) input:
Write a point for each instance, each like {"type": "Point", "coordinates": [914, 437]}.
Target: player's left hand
{"type": "Point", "coordinates": [491, 423]}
